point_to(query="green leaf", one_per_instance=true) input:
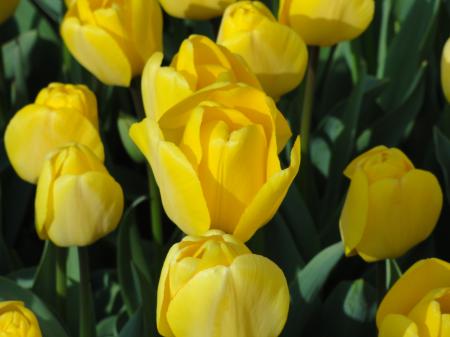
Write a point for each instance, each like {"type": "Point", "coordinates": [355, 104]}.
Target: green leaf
{"type": "Point", "coordinates": [124, 123]}
{"type": "Point", "coordinates": [44, 281]}
{"type": "Point", "coordinates": [442, 147]}
{"type": "Point", "coordinates": [133, 328]}
{"type": "Point", "coordinates": [49, 325]}
{"type": "Point", "coordinates": [307, 285]}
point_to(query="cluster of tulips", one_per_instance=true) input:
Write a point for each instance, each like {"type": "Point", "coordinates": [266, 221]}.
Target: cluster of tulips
{"type": "Point", "coordinates": [212, 133]}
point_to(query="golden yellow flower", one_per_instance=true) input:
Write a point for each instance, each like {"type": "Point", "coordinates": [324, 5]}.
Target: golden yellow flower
{"type": "Point", "coordinates": [215, 159]}
{"type": "Point", "coordinates": [113, 39]}
{"type": "Point", "coordinates": [274, 52]}
{"type": "Point", "coordinates": [445, 70]}
{"type": "Point", "coordinates": [77, 201]}
{"type": "Point", "coordinates": [214, 286]}
{"type": "Point", "coordinates": [18, 321]}
{"type": "Point", "coordinates": [195, 9]}
{"type": "Point", "coordinates": [60, 114]}
{"type": "Point", "coordinates": [419, 302]}
{"type": "Point", "coordinates": [390, 206]}
{"type": "Point", "coordinates": [327, 22]}
{"type": "Point", "coordinates": [199, 63]}
{"type": "Point", "coordinates": [7, 8]}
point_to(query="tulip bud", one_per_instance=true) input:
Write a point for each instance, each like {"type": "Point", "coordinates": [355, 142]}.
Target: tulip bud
{"type": "Point", "coordinates": [199, 63]}
{"type": "Point", "coordinates": [77, 201]}
{"type": "Point", "coordinates": [7, 8]}
{"type": "Point", "coordinates": [215, 159]}
{"type": "Point", "coordinates": [195, 9]}
{"type": "Point", "coordinates": [445, 70]}
{"type": "Point", "coordinates": [327, 22]}
{"type": "Point", "coordinates": [390, 206]}
{"type": "Point", "coordinates": [214, 286]}
{"type": "Point", "coordinates": [419, 302]}
{"type": "Point", "coordinates": [113, 39]}
{"type": "Point", "coordinates": [18, 321]}
{"type": "Point", "coordinates": [61, 114]}
{"type": "Point", "coordinates": [274, 52]}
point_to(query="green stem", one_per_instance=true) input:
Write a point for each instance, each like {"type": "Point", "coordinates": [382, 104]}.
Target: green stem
{"type": "Point", "coordinates": [381, 280]}
{"type": "Point", "coordinates": [61, 280]}
{"type": "Point", "coordinates": [308, 99]}
{"type": "Point", "coordinates": [382, 42]}
{"type": "Point", "coordinates": [87, 314]}
{"type": "Point", "coordinates": [155, 207]}
{"type": "Point", "coordinates": [155, 200]}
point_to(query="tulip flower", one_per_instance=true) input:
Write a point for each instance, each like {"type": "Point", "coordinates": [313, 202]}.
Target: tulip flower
{"type": "Point", "coordinates": [445, 70]}
{"type": "Point", "coordinates": [60, 114]}
{"type": "Point", "coordinates": [390, 206]}
{"type": "Point", "coordinates": [18, 321]}
{"type": "Point", "coordinates": [419, 302]}
{"type": "Point", "coordinates": [214, 286]}
{"type": "Point", "coordinates": [215, 159]}
{"type": "Point", "coordinates": [195, 9]}
{"type": "Point", "coordinates": [199, 63]}
{"type": "Point", "coordinates": [274, 52]}
{"type": "Point", "coordinates": [7, 8]}
{"type": "Point", "coordinates": [327, 22]}
{"type": "Point", "coordinates": [113, 39]}
{"type": "Point", "coordinates": [77, 201]}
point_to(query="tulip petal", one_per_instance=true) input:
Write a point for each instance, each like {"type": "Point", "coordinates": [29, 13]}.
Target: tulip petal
{"type": "Point", "coordinates": [321, 23]}
{"type": "Point", "coordinates": [262, 293]}
{"type": "Point", "coordinates": [253, 288]}
{"type": "Point", "coordinates": [43, 200]}
{"type": "Point", "coordinates": [35, 131]}
{"type": "Point", "coordinates": [445, 70]}
{"type": "Point", "coordinates": [427, 315]}
{"type": "Point", "coordinates": [414, 285]}
{"type": "Point", "coordinates": [445, 325]}
{"type": "Point", "coordinates": [397, 219]}
{"type": "Point", "coordinates": [354, 214]}
{"type": "Point", "coordinates": [86, 208]}
{"type": "Point", "coordinates": [398, 326]}
{"type": "Point", "coordinates": [195, 9]}
{"type": "Point", "coordinates": [266, 202]}
{"type": "Point", "coordinates": [180, 188]}
{"type": "Point", "coordinates": [97, 51]}
{"type": "Point", "coordinates": [162, 87]}
{"type": "Point", "coordinates": [351, 168]}
{"type": "Point", "coordinates": [225, 154]}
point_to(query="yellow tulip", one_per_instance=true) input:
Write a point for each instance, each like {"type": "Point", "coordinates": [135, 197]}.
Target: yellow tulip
{"type": "Point", "coordinates": [113, 39]}
{"type": "Point", "coordinates": [274, 52]}
{"type": "Point", "coordinates": [214, 286]}
{"type": "Point", "coordinates": [18, 321]}
{"type": "Point", "coordinates": [445, 70]}
{"type": "Point", "coordinates": [327, 22]}
{"type": "Point", "coordinates": [214, 156]}
{"type": "Point", "coordinates": [60, 114]}
{"type": "Point", "coordinates": [77, 201]}
{"type": "Point", "coordinates": [198, 63]}
{"type": "Point", "coordinates": [195, 9]}
{"type": "Point", "coordinates": [7, 8]}
{"type": "Point", "coordinates": [419, 302]}
{"type": "Point", "coordinates": [390, 206]}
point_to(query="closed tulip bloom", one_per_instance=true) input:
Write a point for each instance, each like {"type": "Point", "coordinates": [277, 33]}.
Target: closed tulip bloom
{"type": "Point", "coordinates": [390, 206]}
{"type": "Point", "coordinates": [18, 321]}
{"type": "Point", "coordinates": [445, 70]}
{"type": "Point", "coordinates": [113, 39]}
{"type": "Point", "coordinates": [274, 52]}
{"type": "Point", "coordinates": [418, 305]}
{"type": "Point", "coordinates": [199, 62]}
{"type": "Point", "coordinates": [195, 9]}
{"type": "Point", "coordinates": [77, 200]}
{"type": "Point", "coordinates": [215, 159]}
{"type": "Point", "coordinates": [327, 22]}
{"type": "Point", "coordinates": [7, 8]}
{"type": "Point", "coordinates": [61, 114]}
{"type": "Point", "coordinates": [214, 286]}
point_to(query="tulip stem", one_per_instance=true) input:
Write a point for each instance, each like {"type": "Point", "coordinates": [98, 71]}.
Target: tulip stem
{"type": "Point", "coordinates": [87, 314]}
{"type": "Point", "coordinates": [61, 280]}
{"type": "Point", "coordinates": [308, 99]}
{"type": "Point", "coordinates": [155, 207]}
